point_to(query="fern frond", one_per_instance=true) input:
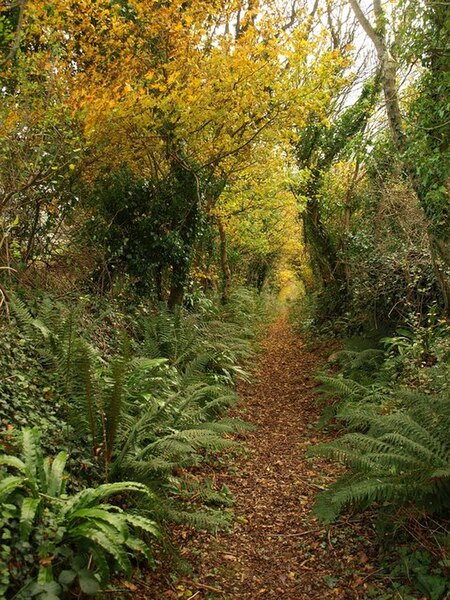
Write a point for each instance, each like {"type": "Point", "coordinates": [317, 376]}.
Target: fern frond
{"type": "Point", "coordinates": [22, 314]}
{"type": "Point", "coordinates": [28, 512]}
{"type": "Point", "coordinates": [341, 387]}
{"type": "Point", "coordinates": [55, 480]}
{"type": "Point", "coordinates": [114, 401]}
{"type": "Point", "coordinates": [212, 520]}
{"type": "Point", "coordinates": [399, 460]}
{"type": "Point", "coordinates": [10, 484]}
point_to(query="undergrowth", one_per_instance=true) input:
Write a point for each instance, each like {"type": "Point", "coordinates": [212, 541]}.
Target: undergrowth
{"type": "Point", "coordinates": [150, 409]}
{"type": "Point", "coordinates": [393, 403]}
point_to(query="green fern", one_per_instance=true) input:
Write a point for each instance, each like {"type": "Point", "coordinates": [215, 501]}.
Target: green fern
{"type": "Point", "coordinates": [115, 399]}
{"type": "Point", "coordinates": [342, 387]}
{"type": "Point", "coordinates": [78, 530]}
{"type": "Point", "coordinates": [206, 519]}
{"type": "Point", "coordinates": [403, 459]}
{"type": "Point", "coordinates": [29, 324]}
{"type": "Point", "coordinates": [360, 365]}
{"type": "Point", "coordinates": [161, 411]}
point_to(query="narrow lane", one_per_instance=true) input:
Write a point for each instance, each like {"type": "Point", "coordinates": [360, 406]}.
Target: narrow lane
{"type": "Point", "coordinates": [276, 549]}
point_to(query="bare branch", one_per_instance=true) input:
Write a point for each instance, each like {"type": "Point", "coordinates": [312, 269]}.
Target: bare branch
{"type": "Point", "coordinates": [366, 25]}
{"type": "Point", "coordinates": [16, 42]}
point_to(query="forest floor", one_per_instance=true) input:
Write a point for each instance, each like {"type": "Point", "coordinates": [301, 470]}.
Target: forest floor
{"type": "Point", "coordinates": [276, 549]}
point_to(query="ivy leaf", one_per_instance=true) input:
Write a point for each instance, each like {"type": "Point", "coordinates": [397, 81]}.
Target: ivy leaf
{"type": "Point", "coordinates": [66, 577]}
{"type": "Point", "coordinates": [88, 583]}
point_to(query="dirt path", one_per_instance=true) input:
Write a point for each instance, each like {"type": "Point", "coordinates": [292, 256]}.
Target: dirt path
{"type": "Point", "coordinates": [276, 549]}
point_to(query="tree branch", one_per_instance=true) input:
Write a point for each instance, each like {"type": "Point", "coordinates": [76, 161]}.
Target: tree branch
{"type": "Point", "coordinates": [366, 25]}
{"type": "Point", "coordinates": [16, 43]}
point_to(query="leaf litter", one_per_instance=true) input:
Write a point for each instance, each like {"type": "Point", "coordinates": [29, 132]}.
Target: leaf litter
{"type": "Point", "coordinates": [276, 548]}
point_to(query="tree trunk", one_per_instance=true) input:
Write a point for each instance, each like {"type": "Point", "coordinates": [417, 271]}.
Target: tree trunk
{"type": "Point", "coordinates": [261, 277]}
{"type": "Point", "coordinates": [177, 286]}
{"type": "Point", "coordinates": [159, 283]}
{"type": "Point", "coordinates": [440, 255]}
{"type": "Point", "coordinates": [440, 247]}
{"type": "Point", "coordinates": [348, 213]}
{"type": "Point", "coordinates": [320, 245]}
{"type": "Point", "coordinates": [225, 265]}
{"type": "Point", "coordinates": [186, 219]}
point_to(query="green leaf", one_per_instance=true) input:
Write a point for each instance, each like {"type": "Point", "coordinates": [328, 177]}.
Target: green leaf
{"type": "Point", "coordinates": [143, 523]}
{"type": "Point", "coordinates": [39, 325]}
{"type": "Point", "coordinates": [88, 583]}
{"type": "Point", "coordinates": [10, 484]}
{"type": "Point", "coordinates": [91, 496]}
{"type": "Point", "coordinates": [67, 577]}
{"type": "Point", "coordinates": [45, 576]}
{"type": "Point", "coordinates": [27, 516]}
{"type": "Point", "coordinates": [110, 517]}
{"type": "Point", "coordinates": [138, 546]}
{"type": "Point", "coordinates": [112, 545]}
{"type": "Point", "coordinates": [12, 461]}
{"type": "Point", "coordinates": [31, 454]}
{"type": "Point", "coordinates": [102, 564]}
{"type": "Point", "coordinates": [56, 476]}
